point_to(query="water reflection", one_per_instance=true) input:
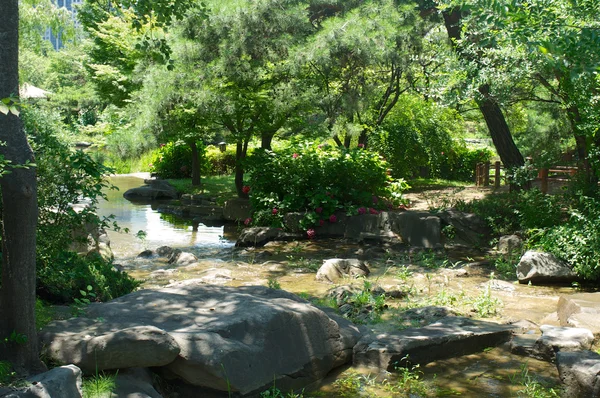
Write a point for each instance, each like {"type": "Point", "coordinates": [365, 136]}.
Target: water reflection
{"type": "Point", "coordinates": [160, 229]}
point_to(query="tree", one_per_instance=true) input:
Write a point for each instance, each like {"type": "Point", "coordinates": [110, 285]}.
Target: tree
{"type": "Point", "coordinates": [18, 335]}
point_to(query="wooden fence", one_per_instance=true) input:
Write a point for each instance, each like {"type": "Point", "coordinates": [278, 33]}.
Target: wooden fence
{"type": "Point", "coordinates": [545, 175]}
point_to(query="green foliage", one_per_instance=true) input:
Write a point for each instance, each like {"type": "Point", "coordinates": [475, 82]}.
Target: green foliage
{"type": "Point", "coordinates": [319, 180]}
{"type": "Point", "coordinates": [7, 375]}
{"type": "Point", "coordinates": [174, 160]}
{"type": "Point", "coordinates": [220, 163]}
{"type": "Point", "coordinates": [273, 284]}
{"type": "Point", "coordinates": [221, 188]}
{"type": "Point", "coordinates": [67, 275]}
{"type": "Point", "coordinates": [409, 383]}
{"type": "Point", "coordinates": [459, 162]}
{"type": "Point", "coordinates": [43, 314]}
{"type": "Point", "coordinates": [274, 392]}
{"type": "Point", "coordinates": [532, 387]}
{"type": "Point", "coordinates": [418, 134]}
{"type": "Point", "coordinates": [577, 241]}
{"type": "Point", "coordinates": [516, 211]}
{"type": "Point", "coordinates": [366, 306]}
{"type": "Point", "coordinates": [98, 386]}
{"type": "Point", "coordinates": [485, 305]}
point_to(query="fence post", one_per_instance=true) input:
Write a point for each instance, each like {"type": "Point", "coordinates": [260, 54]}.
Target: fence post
{"type": "Point", "coordinates": [544, 178]}
{"type": "Point", "coordinates": [486, 174]}
{"type": "Point", "coordinates": [497, 174]}
{"type": "Point", "coordinates": [478, 174]}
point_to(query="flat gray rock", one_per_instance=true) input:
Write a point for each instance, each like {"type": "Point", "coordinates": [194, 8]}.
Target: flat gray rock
{"type": "Point", "coordinates": [579, 373]}
{"type": "Point", "coordinates": [63, 382]}
{"type": "Point", "coordinates": [335, 269]}
{"type": "Point", "coordinates": [557, 338]}
{"type": "Point", "coordinates": [243, 339]}
{"type": "Point", "coordinates": [580, 310]}
{"type": "Point", "coordinates": [446, 338]}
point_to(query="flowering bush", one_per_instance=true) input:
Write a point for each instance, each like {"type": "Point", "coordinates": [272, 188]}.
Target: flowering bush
{"type": "Point", "coordinates": [318, 180]}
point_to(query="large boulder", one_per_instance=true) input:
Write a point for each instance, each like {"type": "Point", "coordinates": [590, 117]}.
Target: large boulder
{"type": "Point", "coordinates": [580, 310]}
{"type": "Point", "coordinates": [260, 236]}
{"type": "Point", "coordinates": [510, 245]}
{"type": "Point", "coordinates": [416, 228]}
{"type": "Point", "coordinates": [579, 373]}
{"type": "Point", "coordinates": [557, 338]}
{"type": "Point", "coordinates": [469, 228]}
{"type": "Point", "coordinates": [135, 383]}
{"type": "Point", "coordinates": [84, 343]}
{"type": "Point", "coordinates": [153, 190]}
{"type": "Point", "coordinates": [335, 269]}
{"type": "Point", "coordinates": [446, 338]}
{"type": "Point", "coordinates": [539, 267]}
{"type": "Point", "coordinates": [63, 382]}
{"type": "Point", "coordinates": [237, 209]}
{"type": "Point", "coordinates": [240, 339]}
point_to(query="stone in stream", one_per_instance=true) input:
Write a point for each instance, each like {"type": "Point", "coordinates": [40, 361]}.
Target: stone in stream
{"type": "Point", "coordinates": [580, 310]}
{"type": "Point", "coordinates": [446, 338]}
{"type": "Point", "coordinates": [552, 340]}
{"type": "Point", "coordinates": [63, 382]}
{"type": "Point", "coordinates": [579, 373]}
{"type": "Point", "coordinates": [155, 189]}
{"type": "Point", "coordinates": [179, 257]}
{"type": "Point", "coordinates": [538, 267]}
{"type": "Point", "coordinates": [243, 338]}
{"type": "Point", "coordinates": [335, 269]}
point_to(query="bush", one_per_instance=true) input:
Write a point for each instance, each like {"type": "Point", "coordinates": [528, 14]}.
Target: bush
{"type": "Point", "coordinates": [459, 162]}
{"type": "Point", "coordinates": [576, 241]}
{"type": "Point", "coordinates": [318, 180]}
{"type": "Point", "coordinates": [174, 160]}
{"type": "Point", "coordinates": [415, 136]}
{"type": "Point", "coordinates": [516, 211]}
{"type": "Point", "coordinates": [220, 163]}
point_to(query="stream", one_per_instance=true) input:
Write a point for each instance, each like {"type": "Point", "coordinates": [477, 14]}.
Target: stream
{"type": "Point", "coordinates": [292, 265]}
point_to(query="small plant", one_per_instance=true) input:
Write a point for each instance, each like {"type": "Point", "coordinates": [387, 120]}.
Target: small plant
{"type": "Point", "coordinates": [7, 375]}
{"type": "Point", "coordinates": [141, 235]}
{"type": "Point", "coordinates": [274, 392]}
{"type": "Point", "coordinates": [410, 382]}
{"type": "Point", "coordinates": [273, 284]}
{"type": "Point", "coordinates": [99, 386]}
{"type": "Point", "coordinates": [80, 303]}
{"type": "Point", "coordinates": [531, 386]}
{"type": "Point", "coordinates": [366, 306]}
{"type": "Point", "coordinates": [485, 305]}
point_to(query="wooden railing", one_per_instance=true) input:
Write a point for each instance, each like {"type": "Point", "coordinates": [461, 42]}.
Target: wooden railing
{"type": "Point", "coordinates": [545, 175]}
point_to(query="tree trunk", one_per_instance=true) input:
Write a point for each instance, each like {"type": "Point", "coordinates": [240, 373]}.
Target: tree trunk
{"type": "Point", "coordinates": [494, 118]}
{"type": "Point", "coordinates": [347, 140]}
{"type": "Point", "coordinates": [19, 213]}
{"type": "Point", "coordinates": [196, 180]}
{"type": "Point", "coordinates": [240, 155]}
{"type": "Point", "coordinates": [266, 139]}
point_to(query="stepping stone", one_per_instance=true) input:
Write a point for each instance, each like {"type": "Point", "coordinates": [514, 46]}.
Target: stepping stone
{"type": "Point", "coordinates": [447, 338]}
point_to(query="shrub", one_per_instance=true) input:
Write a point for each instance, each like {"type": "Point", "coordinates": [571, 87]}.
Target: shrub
{"type": "Point", "coordinates": [576, 241]}
{"type": "Point", "coordinates": [220, 163]}
{"type": "Point", "coordinates": [459, 162]}
{"type": "Point", "coordinates": [516, 211]}
{"type": "Point", "coordinates": [318, 180]}
{"type": "Point", "coordinates": [174, 160]}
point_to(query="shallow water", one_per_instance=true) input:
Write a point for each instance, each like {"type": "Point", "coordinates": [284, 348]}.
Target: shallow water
{"type": "Point", "coordinates": [493, 373]}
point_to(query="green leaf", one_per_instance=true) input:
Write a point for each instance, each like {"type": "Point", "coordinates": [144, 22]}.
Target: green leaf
{"type": "Point", "coordinates": [4, 109]}
{"type": "Point", "coordinates": [14, 110]}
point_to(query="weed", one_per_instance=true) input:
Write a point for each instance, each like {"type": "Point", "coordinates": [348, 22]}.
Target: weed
{"type": "Point", "coordinates": [301, 262]}
{"type": "Point", "coordinates": [99, 386]}
{"type": "Point", "coordinates": [531, 386]}
{"type": "Point", "coordinates": [403, 273]}
{"type": "Point", "coordinates": [43, 314]}
{"type": "Point", "coordinates": [485, 305]}
{"type": "Point", "coordinates": [273, 284]}
{"type": "Point", "coordinates": [365, 306]}
{"type": "Point", "coordinates": [274, 392]}
{"type": "Point", "coordinates": [6, 373]}
{"type": "Point", "coordinates": [79, 304]}
{"type": "Point", "coordinates": [409, 382]}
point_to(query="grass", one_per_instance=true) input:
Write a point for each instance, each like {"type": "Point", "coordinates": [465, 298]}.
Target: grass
{"type": "Point", "coordinates": [99, 386]}
{"type": "Point", "coordinates": [221, 188]}
{"type": "Point", "coordinates": [425, 184]}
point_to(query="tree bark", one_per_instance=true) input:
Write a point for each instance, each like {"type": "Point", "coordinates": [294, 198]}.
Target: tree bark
{"type": "Point", "coordinates": [240, 155]}
{"type": "Point", "coordinates": [266, 138]}
{"type": "Point", "coordinates": [491, 111]}
{"type": "Point", "coordinates": [196, 179]}
{"type": "Point", "coordinates": [19, 213]}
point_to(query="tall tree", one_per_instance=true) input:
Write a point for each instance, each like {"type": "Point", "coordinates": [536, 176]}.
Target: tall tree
{"type": "Point", "coordinates": [18, 336]}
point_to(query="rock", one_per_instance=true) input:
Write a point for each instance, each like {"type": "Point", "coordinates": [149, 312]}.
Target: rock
{"type": "Point", "coordinates": [510, 245]}
{"type": "Point", "coordinates": [449, 337]}
{"type": "Point", "coordinates": [335, 269]}
{"type": "Point", "coordinates": [181, 258]}
{"type": "Point", "coordinates": [525, 345]}
{"type": "Point", "coordinates": [63, 382]}
{"type": "Point", "coordinates": [580, 310]}
{"type": "Point", "coordinates": [240, 339]}
{"type": "Point", "coordinates": [91, 240]}
{"type": "Point", "coordinates": [422, 316]}
{"type": "Point", "coordinates": [146, 254]}
{"type": "Point", "coordinates": [156, 189]}
{"type": "Point", "coordinates": [237, 209]}
{"type": "Point", "coordinates": [164, 251]}
{"type": "Point", "coordinates": [341, 294]}
{"type": "Point", "coordinates": [80, 341]}
{"type": "Point", "coordinates": [498, 285]}
{"type": "Point", "coordinates": [538, 267]}
{"type": "Point", "coordinates": [579, 373]}
{"type": "Point", "coordinates": [469, 228]}
{"type": "Point", "coordinates": [259, 236]}
{"type": "Point", "coordinates": [135, 383]}
{"type": "Point", "coordinates": [416, 228]}
{"type": "Point", "coordinates": [217, 276]}
{"type": "Point", "coordinates": [557, 338]}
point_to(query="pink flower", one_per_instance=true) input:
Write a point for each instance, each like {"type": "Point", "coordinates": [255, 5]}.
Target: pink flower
{"type": "Point", "coordinates": [321, 222]}
{"type": "Point", "coordinates": [361, 145]}
{"type": "Point", "coordinates": [247, 221]}
{"type": "Point", "coordinates": [162, 145]}
{"type": "Point", "coordinates": [332, 218]}
{"type": "Point", "coordinates": [311, 233]}
{"type": "Point", "coordinates": [373, 211]}
{"type": "Point", "coordinates": [362, 210]}
{"type": "Point", "coordinates": [442, 153]}
{"type": "Point", "coordinates": [274, 211]}
{"type": "Point", "coordinates": [375, 199]}
{"type": "Point", "coordinates": [150, 165]}
{"type": "Point", "coordinates": [295, 155]}
{"type": "Point", "coordinates": [319, 210]}
{"type": "Point", "coordinates": [246, 189]}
